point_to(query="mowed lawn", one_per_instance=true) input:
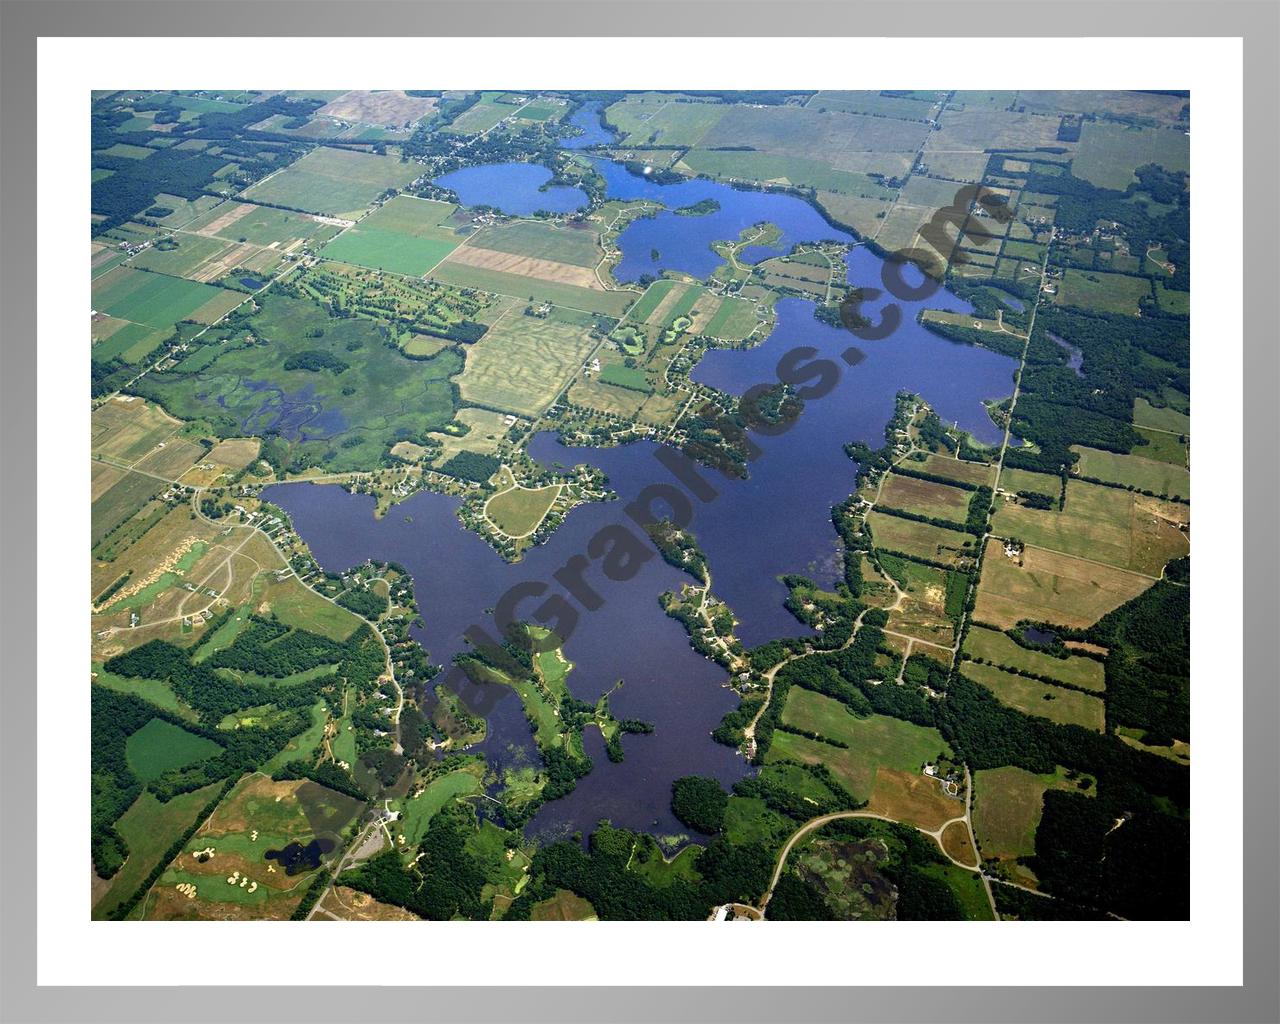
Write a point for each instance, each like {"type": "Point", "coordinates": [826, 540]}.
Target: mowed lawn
{"type": "Point", "coordinates": [404, 236]}
{"type": "Point", "coordinates": [1135, 471]}
{"type": "Point", "coordinates": [1000, 649]}
{"type": "Point", "coordinates": [1103, 524]}
{"type": "Point", "coordinates": [518, 511]}
{"type": "Point", "coordinates": [334, 182]}
{"type": "Point", "coordinates": [1050, 587]}
{"type": "Point", "coordinates": [1032, 697]}
{"type": "Point", "coordinates": [159, 746]}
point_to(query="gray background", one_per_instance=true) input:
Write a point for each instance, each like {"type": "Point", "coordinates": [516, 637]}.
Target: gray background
{"type": "Point", "coordinates": [21, 23]}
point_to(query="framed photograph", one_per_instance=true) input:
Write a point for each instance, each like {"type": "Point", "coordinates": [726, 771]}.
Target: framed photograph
{"type": "Point", "coordinates": [528, 465]}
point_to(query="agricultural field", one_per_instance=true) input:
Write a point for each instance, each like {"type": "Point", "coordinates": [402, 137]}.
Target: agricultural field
{"type": "Point", "coordinates": [998, 649]}
{"type": "Point", "coordinates": [278, 230]}
{"type": "Point", "coordinates": [1032, 697]}
{"type": "Point", "coordinates": [523, 363]}
{"type": "Point", "coordinates": [1045, 586]}
{"type": "Point", "coordinates": [1110, 153]}
{"type": "Point", "coordinates": [881, 764]}
{"type": "Point", "coordinates": [1007, 806]}
{"type": "Point", "coordinates": [158, 300]}
{"type": "Point", "coordinates": [1107, 293]}
{"type": "Point", "coordinates": [333, 182]}
{"type": "Point", "coordinates": [1143, 474]}
{"type": "Point", "coordinates": [920, 540]}
{"type": "Point", "coordinates": [389, 107]}
{"type": "Point", "coordinates": [1103, 524]}
{"type": "Point", "coordinates": [925, 497]}
{"type": "Point", "coordinates": [404, 236]}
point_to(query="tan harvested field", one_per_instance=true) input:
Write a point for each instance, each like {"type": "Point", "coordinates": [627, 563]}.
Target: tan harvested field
{"type": "Point", "coordinates": [526, 266]}
{"type": "Point", "coordinates": [854, 211]}
{"type": "Point", "coordinates": [523, 363]}
{"type": "Point", "coordinates": [1104, 524]}
{"type": "Point", "coordinates": [125, 429]}
{"type": "Point", "coordinates": [389, 107]}
{"type": "Point", "coordinates": [487, 429]}
{"type": "Point", "coordinates": [232, 213]}
{"type": "Point", "coordinates": [913, 798]}
{"type": "Point", "coordinates": [171, 461]}
{"type": "Point", "coordinates": [973, 130]}
{"type": "Point", "coordinates": [1050, 587]}
{"type": "Point", "coordinates": [923, 540]}
{"type": "Point", "coordinates": [595, 394]}
{"type": "Point", "coordinates": [235, 452]}
{"type": "Point", "coordinates": [958, 469]}
{"type": "Point", "coordinates": [103, 478]}
{"type": "Point", "coordinates": [925, 497]}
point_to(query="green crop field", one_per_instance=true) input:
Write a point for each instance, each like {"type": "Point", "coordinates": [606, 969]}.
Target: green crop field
{"type": "Point", "coordinates": [405, 236]}
{"type": "Point", "coordinates": [1160, 417]}
{"type": "Point", "coordinates": [655, 120]}
{"type": "Point", "coordinates": [734, 320]}
{"type": "Point", "coordinates": [334, 182]}
{"type": "Point", "coordinates": [1107, 293]}
{"type": "Point", "coordinates": [261, 225]}
{"type": "Point", "coordinates": [159, 746]}
{"type": "Point", "coordinates": [783, 169]}
{"type": "Point", "coordinates": [1007, 807]}
{"type": "Point", "coordinates": [156, 300]}
{"type": "Point", "coordinates": [1066, 707]}
{"type": "Point", "coordinates": [631, 378]}
{"type": "Point", "coordinates": [1001, 650]}
{"type": "Point", "coordinates": [1135, 471]}
{"type": "Point", "coordinates": [650, 300]}
{"type": "Point", "coordinates": [1163, 447]}
{"type": "Point", "coordinates": [1110, 153]}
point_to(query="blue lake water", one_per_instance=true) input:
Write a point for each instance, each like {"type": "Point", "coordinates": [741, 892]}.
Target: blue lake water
{"type": "Point", "coordinates": [587, 117]}
{"type": "Point", "coordinates": [684, 243]}
{"type": "Point", "coordinates": [514, 188]}
{"type": "Point", "coordinates": [775, 522]}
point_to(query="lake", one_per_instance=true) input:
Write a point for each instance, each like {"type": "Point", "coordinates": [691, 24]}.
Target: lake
{"type": "Point", "coordinates": [775, 522]}
{"type": "Point", "coordinates": [519, 189]}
